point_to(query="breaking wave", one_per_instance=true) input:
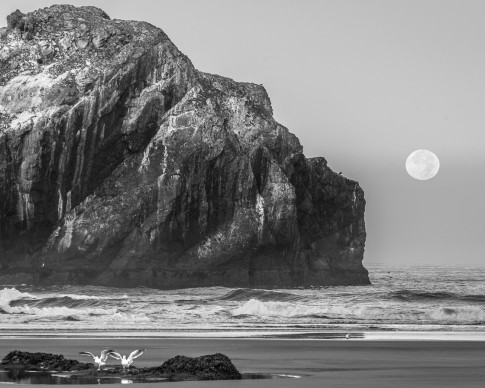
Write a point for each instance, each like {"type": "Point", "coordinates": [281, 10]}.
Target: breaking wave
{"type": "Point", "coordinates": [262, 295]}
{"type": "Point", "coordinates": [466, 314]}
{"type": "Point", "coordinates": [8, 295]}
{"type": "Point", "coordinates": [412, 295]}
{"type": "Point", "coordinates": [90, 297]}
{"type": "Point", "coordinates": [13, 301]}
{"type": "Point", "coordinates": [57, 311]}
{"type": "Point", "coordinates": [268, 309]}
{"type": "Point", "coordinates": [407, 300]}
{"type": "Point", "coordinates": [362, 313]}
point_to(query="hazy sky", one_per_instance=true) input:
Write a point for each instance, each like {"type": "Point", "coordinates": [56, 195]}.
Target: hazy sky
{"type": "Point", "coordinates": [362, 83]}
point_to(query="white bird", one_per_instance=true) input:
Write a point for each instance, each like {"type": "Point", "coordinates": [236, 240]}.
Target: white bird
{"type": "Point", "coordinates": [347, 336]}
{"type": "Point", "coordinates": [126, 362]}
{"type": "Point", "coordinates": [101, 360]}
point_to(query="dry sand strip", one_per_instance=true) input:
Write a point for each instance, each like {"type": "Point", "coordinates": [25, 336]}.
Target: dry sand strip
{"type": "Point", "coordinates": [321, 363]}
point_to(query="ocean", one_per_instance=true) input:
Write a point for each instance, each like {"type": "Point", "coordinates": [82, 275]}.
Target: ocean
{"type": "Point", "coordinates": [402, 299]}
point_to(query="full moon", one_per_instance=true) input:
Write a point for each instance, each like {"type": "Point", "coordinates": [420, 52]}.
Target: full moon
{"type": "Point", "coordinates": [422, 165]}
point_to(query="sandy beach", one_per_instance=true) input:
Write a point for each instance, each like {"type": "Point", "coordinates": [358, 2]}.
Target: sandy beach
{"type": "Point", "coordinates": [320, 363]}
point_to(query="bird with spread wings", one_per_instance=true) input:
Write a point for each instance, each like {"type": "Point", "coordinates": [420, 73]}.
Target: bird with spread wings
{"type": "Point", "coordinates": [101, 360]}
{"type": "Point", "coordinates": [127, 361]}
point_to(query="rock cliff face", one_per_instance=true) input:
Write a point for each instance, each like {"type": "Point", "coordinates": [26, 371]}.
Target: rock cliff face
{"type": "Point", "coordinates": [122, 165]}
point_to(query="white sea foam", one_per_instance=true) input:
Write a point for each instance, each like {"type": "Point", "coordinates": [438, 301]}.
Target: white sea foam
{"type": "Point", "coordinates": [85, 297]}
{"type": "Point", "coordinates": [125, 318]}
{"type": "Point", "coordinates": [281, 309]}
{"type": "Point", "coordinates": [363, 312]}
{"type": "Point", "coordinates": [463, 314]}
{"type": "Point", "coordinates": [8, 295]}
{"type": "Point", "coordinates": [290, 309]}
{"type": "Point", "coordinates": [57, 311]}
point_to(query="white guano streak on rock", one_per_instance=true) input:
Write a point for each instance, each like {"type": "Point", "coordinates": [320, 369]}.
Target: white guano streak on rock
{"type": "Point", "coordinates": [23, 118]}
{"type": "Point", "coordinates": [135, 111]}
{"type": "Point", "coordinates": [65, 241]}
{"type": "Point", "coordinates": [354, 200]}
{"type": "Point", "coordinates": [160, 184]}
{"type": "Point", "coordinates": [28, 91]}
{"type": "Point", "coordinates": [65, 149]}
{"type": "Point", "coordinates": [94, 140]}
{"type": "Point", "coordinates": [25, 209]}
{"type": "Point", "coordinates": [59, 204]}
{"type": "Point", "coordinates": [207, 247]}
{"type": "Point", "coordinates": [68, 202]}
{"type": "Point", "coordinates": [237, 120]}
{"type": "Point", "coordinates": [88, 118]}
{"type": "Point", "coordinates": [145, 162]}
{"type": "Point", "coordinates": [52, 239]}
{"type": "Point", "coordinates": [30, 153]}
{"type": "Point", "coordinates": [101, 136]}
{"type": "Point", "coordinates": [160, 180]}
{"type": "Point", "coordinates": [260, 211]}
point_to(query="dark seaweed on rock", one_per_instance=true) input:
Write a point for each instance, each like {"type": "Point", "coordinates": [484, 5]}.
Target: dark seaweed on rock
{"type": "Point", "coordinates": [180, 368]}
{"type": "Point", "coordinates": [122, 165]}
{"type": "Point", "coordinates": [40, 361]}
{"type": "Point", "coordinates": [209, 367]}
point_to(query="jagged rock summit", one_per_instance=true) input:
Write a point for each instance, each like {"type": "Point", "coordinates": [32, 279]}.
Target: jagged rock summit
{"type": "Point", "coordinates": [122, 165]}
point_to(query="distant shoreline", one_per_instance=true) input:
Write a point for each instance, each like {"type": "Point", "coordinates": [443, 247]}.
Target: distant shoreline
{"type": "Point", "coordinates": [257, 335]}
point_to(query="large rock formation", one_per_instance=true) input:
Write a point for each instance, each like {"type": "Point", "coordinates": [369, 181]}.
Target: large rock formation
{"type": "Point", "coordinates": [121, 164]}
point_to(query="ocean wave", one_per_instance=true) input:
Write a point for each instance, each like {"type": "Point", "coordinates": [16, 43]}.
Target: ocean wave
{"type": "Point", "coordinates": [49, 301]}
{"type": "Point", "coordinates": [73, 318]}
{"type": "Point", "coordinates": [8, 295]}
{"type": "Point", "coordinates": [256, 307]}
{"type": "Point", "coordinates": [261, 295]}
{"type": "Point", "coordinates": [90, 297]}
{"type": "Point", "coordinates": [184, 301]}
{"type": "Point", "coordinates": [466, 314]}
{"type": "Point", "coordinates": [415, 295]}
{"type": "Point", "coordinates": [13, 294]}
{"type": "Point", "coordinates": [12, 301]}
{"type": "Point", "coordinates": [401, 304]}
{"type": "Point", "coordinates": [360, 313]}
{"type": "Point", "coordinates": [57, 311]}
{"type": "Point", "coordinates": [127, 318]}
{"type": "Point", "coordinates": [63, 301]}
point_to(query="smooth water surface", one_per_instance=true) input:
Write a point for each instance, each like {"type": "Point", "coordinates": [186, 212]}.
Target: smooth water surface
{"type": "Point", "coordinates": [57, 378]}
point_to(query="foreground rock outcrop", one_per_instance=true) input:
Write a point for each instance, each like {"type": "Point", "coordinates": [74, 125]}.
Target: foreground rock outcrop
{"type": "Point", "coordinates": [122, 165]}
{"type": "Point", "coordinates": [18, 360]}
{"type": "Point", "coordinates": [180, 368]}
{"type": "Point", "coordinates": [210, 367]}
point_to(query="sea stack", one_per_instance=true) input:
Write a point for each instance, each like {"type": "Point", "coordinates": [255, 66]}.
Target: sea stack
{"type": "Point", "coordinates": [123, 165]}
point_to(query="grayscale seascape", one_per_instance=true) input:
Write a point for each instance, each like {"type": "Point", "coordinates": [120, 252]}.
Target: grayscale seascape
{"type": "Point", "coordinates": [247, 194]}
